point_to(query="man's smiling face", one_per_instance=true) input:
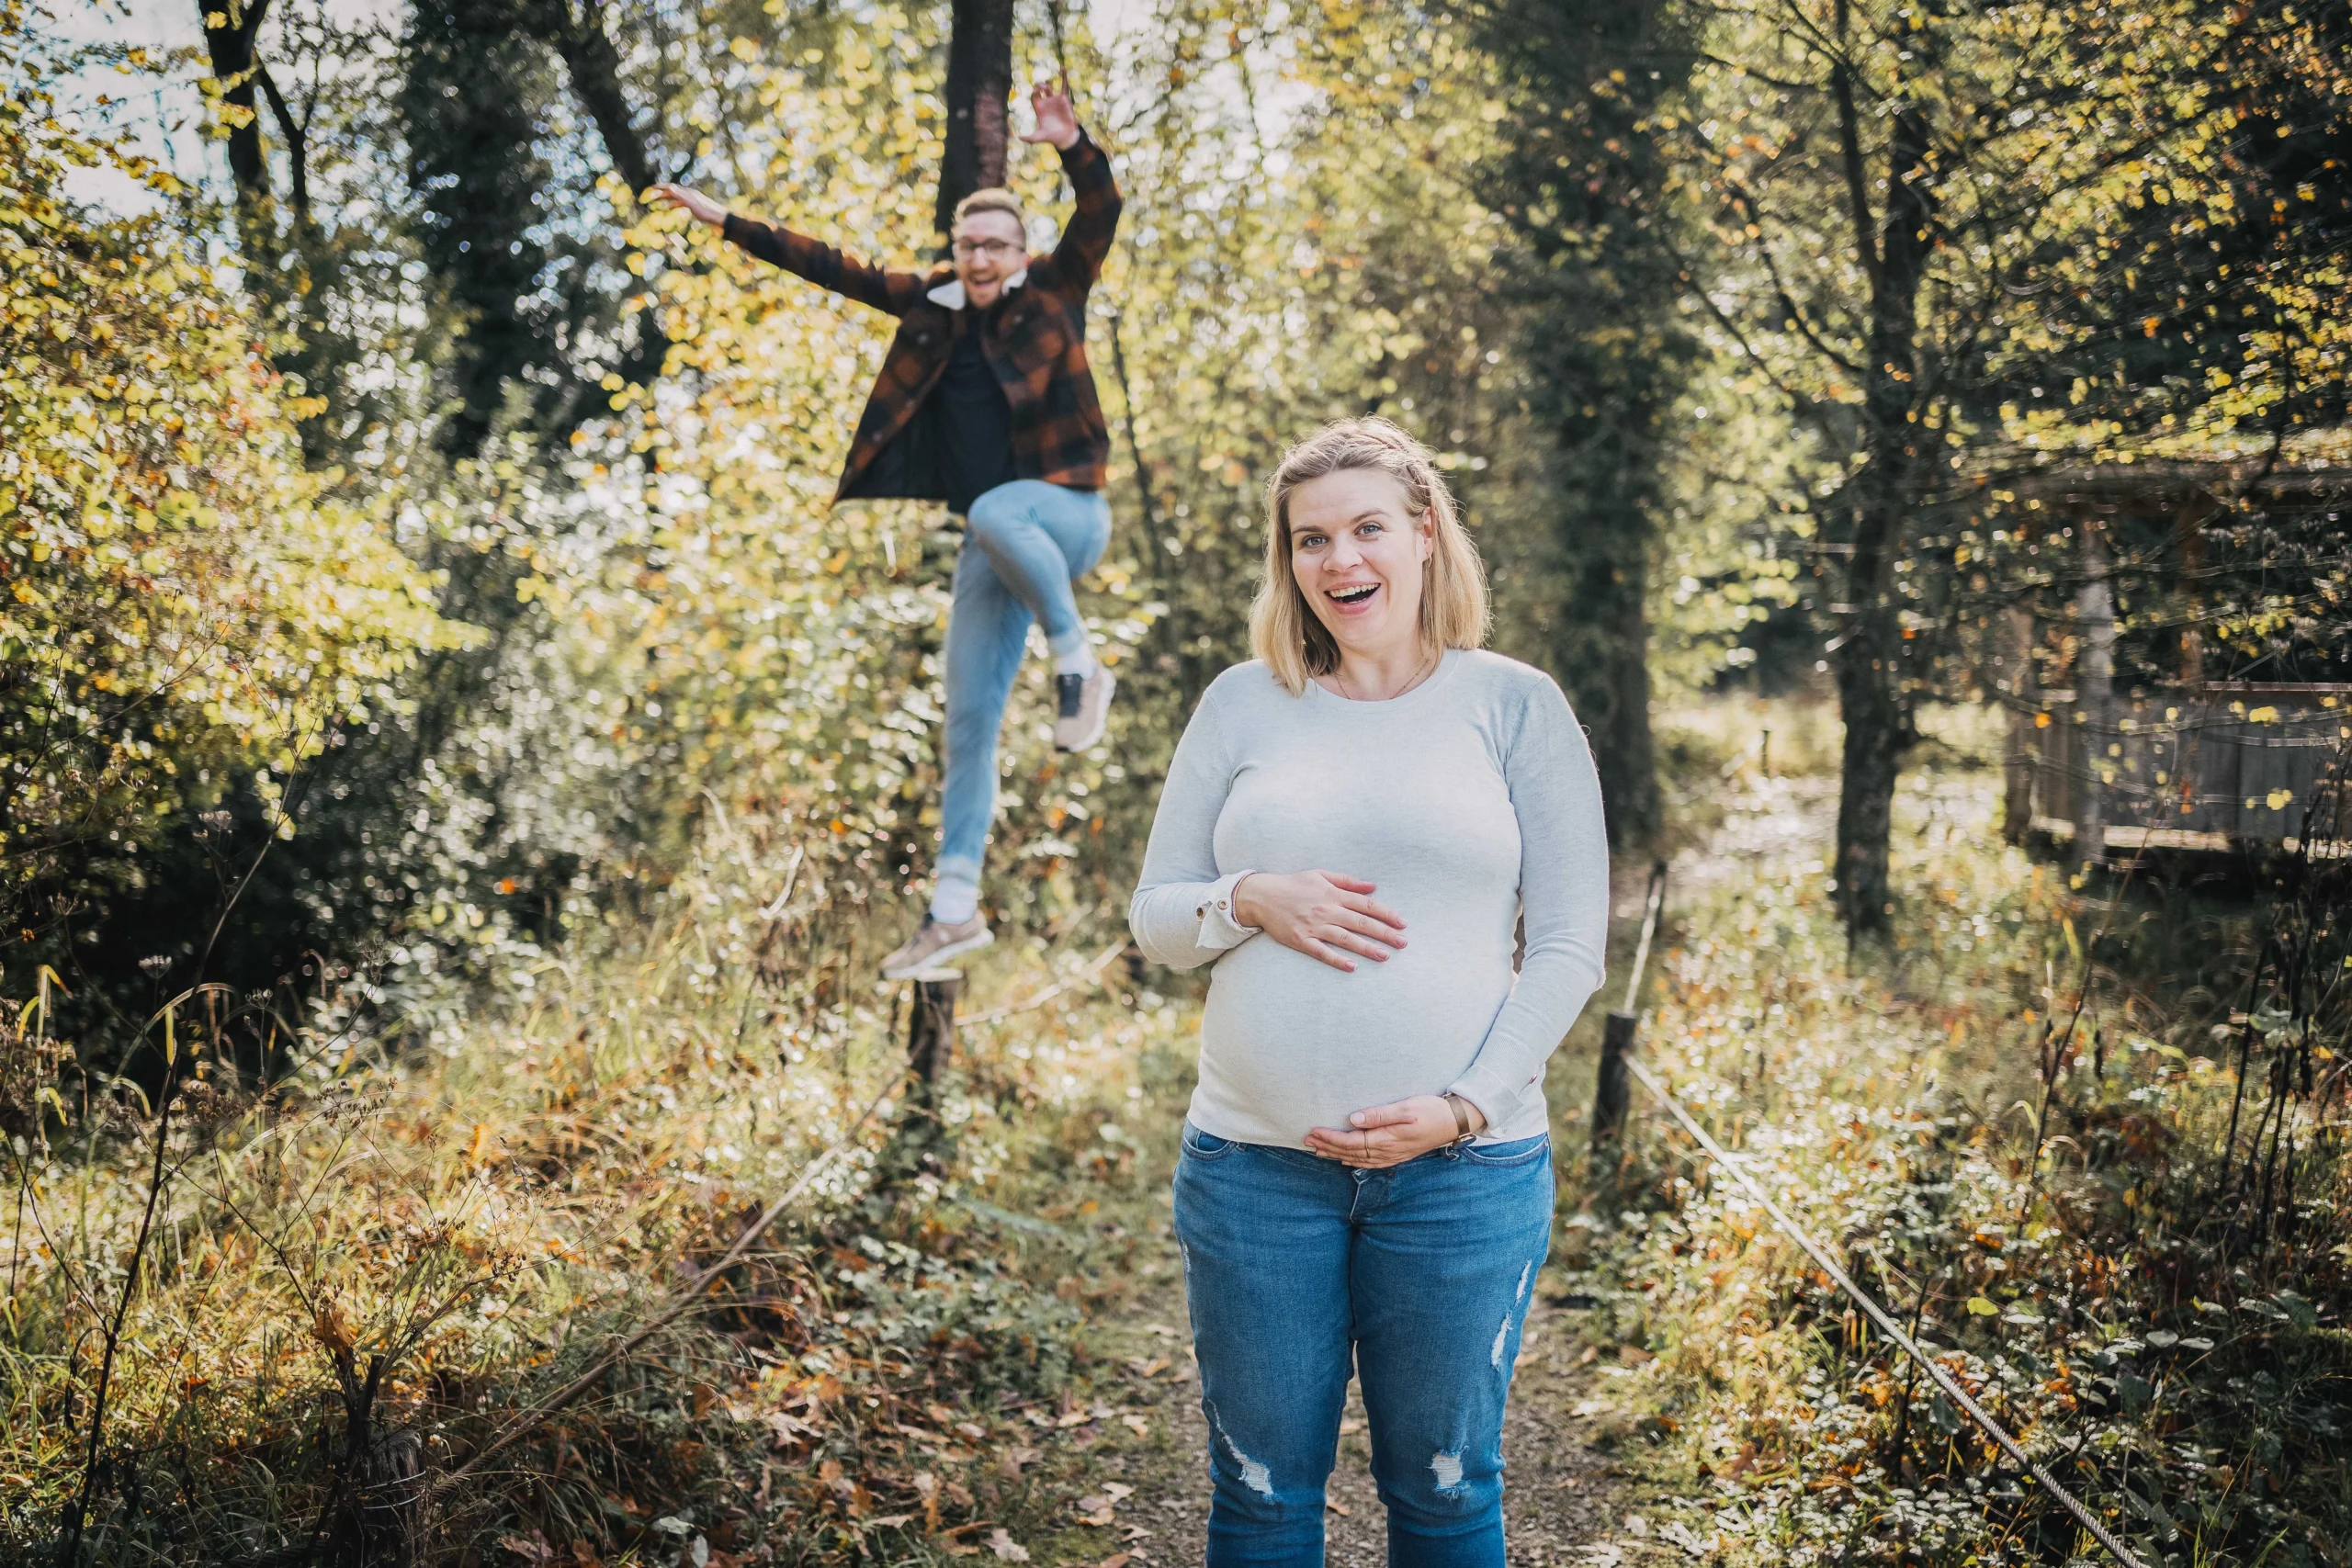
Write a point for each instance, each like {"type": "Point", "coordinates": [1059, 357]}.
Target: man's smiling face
{"type": "Point", "coordinates": [989, 248]}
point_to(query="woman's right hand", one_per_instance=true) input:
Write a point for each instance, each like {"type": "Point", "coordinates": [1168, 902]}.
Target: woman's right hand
{"type": "Point", "coordinates": [1319, 913]}
{"type": "Point", "coordinates": [698, 206]}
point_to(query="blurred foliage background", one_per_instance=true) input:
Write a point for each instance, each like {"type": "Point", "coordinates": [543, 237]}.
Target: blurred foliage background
{"type": "Point", "coordinates": [440, 715]}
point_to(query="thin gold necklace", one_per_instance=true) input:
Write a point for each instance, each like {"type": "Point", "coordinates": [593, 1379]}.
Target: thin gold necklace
{"type": "Point", "coordinates": [1420, 675]}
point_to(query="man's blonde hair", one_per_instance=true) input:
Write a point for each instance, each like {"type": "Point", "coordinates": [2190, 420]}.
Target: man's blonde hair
{"type": "Point", "coordinates": [990, 198]}
{"type": "Point", "coordinates": [1283, 630]}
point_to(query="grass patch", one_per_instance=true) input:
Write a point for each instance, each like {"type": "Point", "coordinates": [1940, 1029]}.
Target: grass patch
{"type": "Point", "coordinates": [2153, 1304]}
{"type": "Point", "coordinates": [364, 1277]}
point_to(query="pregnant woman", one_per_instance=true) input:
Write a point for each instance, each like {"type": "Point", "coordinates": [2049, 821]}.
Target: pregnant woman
{"type": "Point", "coordinates": [1353, 823]}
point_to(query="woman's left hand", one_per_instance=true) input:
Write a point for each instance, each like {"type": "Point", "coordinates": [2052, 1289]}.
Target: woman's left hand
{"type": "Point", "coordinates": [1391, 1135]}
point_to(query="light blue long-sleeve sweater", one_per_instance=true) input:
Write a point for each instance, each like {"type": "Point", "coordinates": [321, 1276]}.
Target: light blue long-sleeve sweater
{"type": "Point", "coordinates": [1467, 801]}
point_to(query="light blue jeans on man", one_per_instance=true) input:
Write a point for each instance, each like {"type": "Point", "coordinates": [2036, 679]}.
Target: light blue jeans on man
{"type": "Point", "coordinates": [1420, 1273]}
{"type": "Point", "coordinates": [1024, 543]}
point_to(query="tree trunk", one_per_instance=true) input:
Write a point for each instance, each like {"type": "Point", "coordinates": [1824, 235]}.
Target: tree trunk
{"type": "Point", "coordinates": [1603, 331]}
{"type": "Point", "coordinates": [229, 47]}
{"type": "Point", "coordinates": [1601, 647]}
{"type": "Point", "coordinates": [1875, 740]}
{"type": "Point", "coordinates": [1629, 779]}
{"type": "Point", "coordinates": [298, 148]}
{"type": "Point", "coordinates": [980, 87]}
{"type": "Point", "coordinates": [2020, 682]}
{"type": "Point", "coordinates": [478, 82]}
{"type": "Point", "coordinates": [1872, 694]}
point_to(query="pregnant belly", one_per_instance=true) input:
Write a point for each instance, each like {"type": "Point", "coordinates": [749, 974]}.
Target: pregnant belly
{"type": "Point", "coordinates": [1294, 1044]}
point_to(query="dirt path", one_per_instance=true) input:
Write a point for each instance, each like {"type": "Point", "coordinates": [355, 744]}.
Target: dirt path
{"type": "Point", "coordinates": [1563, 1501]}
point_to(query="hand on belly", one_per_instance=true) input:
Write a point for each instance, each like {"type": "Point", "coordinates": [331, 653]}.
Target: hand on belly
{"type": "Point", "coordinates": [1391, 1135]}
{"type": "Point", "coordinates": [1321, 914]}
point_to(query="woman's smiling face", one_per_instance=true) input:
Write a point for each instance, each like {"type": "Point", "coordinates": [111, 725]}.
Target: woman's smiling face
{"type": "Point", "coordinates": [1357, 554]}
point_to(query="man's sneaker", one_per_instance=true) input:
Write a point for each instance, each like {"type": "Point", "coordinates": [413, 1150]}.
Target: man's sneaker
{"type": "Point", "coordinates": [934, 943]}
{"type": "Point", "coordinates": [1085, 707]}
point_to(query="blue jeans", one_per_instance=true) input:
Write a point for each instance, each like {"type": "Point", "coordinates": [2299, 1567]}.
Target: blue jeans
{"type": "Point", "coordinates": [1024, 543]}
{"type": "Point", "coordinates": [1422, 1272]}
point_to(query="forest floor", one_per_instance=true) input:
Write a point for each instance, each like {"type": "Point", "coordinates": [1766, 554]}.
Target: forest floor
{"type": "Point", "coordinates": [1566, 1499]}
{"type": "Point", "coordinates": [969, 1348]}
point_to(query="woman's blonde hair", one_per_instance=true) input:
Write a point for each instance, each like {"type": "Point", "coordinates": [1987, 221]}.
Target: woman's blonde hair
{"type": "Point", "coordinates": [1283, 631]}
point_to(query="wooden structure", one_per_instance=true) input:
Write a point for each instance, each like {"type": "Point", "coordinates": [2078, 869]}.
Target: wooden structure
{"type": "Point", "coordinates": [2181, 763]}
{"type": "Point", "coordinates": [2217, 766]}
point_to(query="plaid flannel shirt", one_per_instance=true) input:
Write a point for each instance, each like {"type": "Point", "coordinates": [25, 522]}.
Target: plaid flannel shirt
{"type": "Point", "coordinates": [1035, 344]}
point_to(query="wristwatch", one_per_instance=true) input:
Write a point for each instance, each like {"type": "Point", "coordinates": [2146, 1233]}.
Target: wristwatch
{"type": "Point", "coordinates": [1463, 1133]}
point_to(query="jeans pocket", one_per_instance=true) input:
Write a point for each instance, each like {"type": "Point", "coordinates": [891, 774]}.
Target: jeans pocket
{"type": "Point", "coordinates": [1202, 1145]}
{"type": "Point", "coordinates": [1518, 1152]}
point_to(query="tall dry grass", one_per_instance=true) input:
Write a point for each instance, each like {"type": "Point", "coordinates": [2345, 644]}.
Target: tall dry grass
{"type": "Point", "coordinates": [339, 1286]}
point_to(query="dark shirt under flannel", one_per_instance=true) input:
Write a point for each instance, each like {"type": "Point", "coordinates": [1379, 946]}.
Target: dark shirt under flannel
{"type": "Point", "coordinates": [973, 424]}
{"type": "Point", "coordinates": [1035, 342]}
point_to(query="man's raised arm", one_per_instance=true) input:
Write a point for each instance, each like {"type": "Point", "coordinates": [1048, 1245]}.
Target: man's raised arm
{"type": "Point", "coordinates": [1087, 241]}
{"type": "Point", "coordinates": [824, 265]}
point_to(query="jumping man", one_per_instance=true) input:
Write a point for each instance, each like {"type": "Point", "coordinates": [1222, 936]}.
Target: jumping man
{"type": "Point", "coordinates": [985, 403]}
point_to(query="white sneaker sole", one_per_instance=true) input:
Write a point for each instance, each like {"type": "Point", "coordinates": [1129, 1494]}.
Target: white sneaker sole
{"type": "Point", "coordinates": [1102, 718]}
{"type": "Point", "coordinates": [938, 959]}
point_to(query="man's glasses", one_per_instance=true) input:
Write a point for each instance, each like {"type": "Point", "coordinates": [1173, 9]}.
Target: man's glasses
{"type": "Point", "coordinates": [966, 249]}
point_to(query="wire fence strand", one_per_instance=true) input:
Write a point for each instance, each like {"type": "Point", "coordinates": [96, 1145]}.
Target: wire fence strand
{"type": "Point", "coordinates": [1731, 1166]}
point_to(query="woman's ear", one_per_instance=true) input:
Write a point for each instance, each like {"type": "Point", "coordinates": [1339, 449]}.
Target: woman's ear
{"type": "Point", "coordinates": [1426, 532]}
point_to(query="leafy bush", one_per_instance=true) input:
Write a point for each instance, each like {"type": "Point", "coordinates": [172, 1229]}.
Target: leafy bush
{"type": "Point", "coordinates": [186, 612]}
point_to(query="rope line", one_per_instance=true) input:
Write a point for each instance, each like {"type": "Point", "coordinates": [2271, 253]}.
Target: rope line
{"type": "Point", "coordinates": [521, 1423]}
{"type": "Point", "coordinates": [1878, 1314]}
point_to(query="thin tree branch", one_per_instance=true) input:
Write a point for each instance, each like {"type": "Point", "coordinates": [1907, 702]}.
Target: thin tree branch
{"type": "Point", "coordinates": [297, 143]}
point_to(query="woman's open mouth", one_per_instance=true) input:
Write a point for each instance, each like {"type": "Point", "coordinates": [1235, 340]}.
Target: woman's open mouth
{"type": "Point", "coordinates": [1355, 595]}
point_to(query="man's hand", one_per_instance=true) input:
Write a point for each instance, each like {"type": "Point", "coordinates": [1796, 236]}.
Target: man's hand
{"type": "Point", "coordinates": [1057, 122]}
{"type": "Point", "coordinates": [1391, 1135]}
{"type": "Point", "coordinates": [1319, 913]}
{"type": "Point", "coordinates": [697, 206]}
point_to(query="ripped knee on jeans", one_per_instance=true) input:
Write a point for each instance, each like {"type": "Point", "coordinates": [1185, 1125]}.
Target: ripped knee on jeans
{"type": "Point", "coordinates": [1254, 1474]}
